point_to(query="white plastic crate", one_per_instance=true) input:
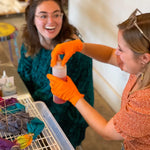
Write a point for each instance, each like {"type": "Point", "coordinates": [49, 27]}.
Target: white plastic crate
{"type": "Point", "coordinates": [57, 132]}
{"type": "Point", "coordinates": [52, 136]}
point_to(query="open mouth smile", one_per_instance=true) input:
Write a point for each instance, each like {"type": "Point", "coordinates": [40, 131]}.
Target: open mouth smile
{"type": "Point", "coordinates": [50, 28]}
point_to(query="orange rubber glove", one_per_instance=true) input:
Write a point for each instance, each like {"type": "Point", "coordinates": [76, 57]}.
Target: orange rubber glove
{"type": "Point", "coordinates": [65, 90]}
{"type": "Point", "coordinates": [67, 48]}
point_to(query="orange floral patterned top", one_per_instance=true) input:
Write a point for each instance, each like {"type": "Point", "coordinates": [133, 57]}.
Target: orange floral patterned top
{"type": "Point", "coordinates": [133, 119]}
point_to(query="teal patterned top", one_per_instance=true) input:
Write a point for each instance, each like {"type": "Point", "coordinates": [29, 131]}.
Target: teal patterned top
{"type": "Point", "coordinates": [33, 71]}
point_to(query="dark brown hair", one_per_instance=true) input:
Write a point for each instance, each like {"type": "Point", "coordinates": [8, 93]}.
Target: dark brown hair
{"type": "Point", "coordinates": [30, 34]}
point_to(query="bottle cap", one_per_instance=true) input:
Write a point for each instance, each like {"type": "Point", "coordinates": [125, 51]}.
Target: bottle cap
{"type": "Point", "coordinates": [58, 70]}
{"type": "Point", "coordinates": [4, 74]}
{"type": "Point", "coordinates": [58, 61]}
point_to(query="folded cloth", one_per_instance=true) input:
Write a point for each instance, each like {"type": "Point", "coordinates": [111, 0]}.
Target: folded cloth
{"type": "Point", "coordinates": [15, 123]}
{"type": "Point", "coordinates": [8, 145]}
{"type": "Point", "coordinates": [14, 119]}
{"type": "Point", "coordinates": [8, 102]}
{"type": "Point", "coordinates": [13, 108]}
{"type": "Point", "coordinates": [35, 126]}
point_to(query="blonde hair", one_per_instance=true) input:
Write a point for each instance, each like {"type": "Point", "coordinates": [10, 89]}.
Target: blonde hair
{"type": "Point", "coordinates": [137, 42]}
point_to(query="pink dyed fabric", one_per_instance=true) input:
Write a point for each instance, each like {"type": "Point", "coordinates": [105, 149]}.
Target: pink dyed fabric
{"type": "Point", "coordinates": [133, 119]}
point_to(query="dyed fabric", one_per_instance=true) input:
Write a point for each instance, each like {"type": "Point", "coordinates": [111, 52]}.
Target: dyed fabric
{"type": "Point", "coordinates": [24, 141]}
{"type": "Point", "coordinates": [133, 119]}
{"type": "Point", "coordinates": [14, 108]}
{"type": "Point", "coordinates": [21, 123]}
{"type": "Point", "coordinates": [15, 123]}
{"type": "Point", "coordinates": [8, 145]}
{"type": "Point", "coordinates": [35, 126]}
{"type": "Point", "coordinates": [10, 105]}
{"type": "Point", "coordinates": [33, 71]}
{"type": "Point", "coordinates": [7, 102]}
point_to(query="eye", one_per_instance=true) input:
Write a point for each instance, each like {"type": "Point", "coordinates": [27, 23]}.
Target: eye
{"type": "Point", "coordinates": [120, 49]}
{"type": "Point", "coordinates": [56, 15]}
{"type": "Point", "coordinates": [43, 16]}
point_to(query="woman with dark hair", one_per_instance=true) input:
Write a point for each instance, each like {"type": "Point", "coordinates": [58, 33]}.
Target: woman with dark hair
{"type": "Point", "coordinates": [46, 26]}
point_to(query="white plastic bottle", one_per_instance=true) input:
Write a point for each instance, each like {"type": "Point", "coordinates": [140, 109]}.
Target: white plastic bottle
{"type": "Point", "coordinates": [3, 81]}
{"type": "Point", "coordinates": [61, 72]}
{"type": "Point", "coordinates": [4, 74]}
{"type": "Point", "coordinates": [8, 88]}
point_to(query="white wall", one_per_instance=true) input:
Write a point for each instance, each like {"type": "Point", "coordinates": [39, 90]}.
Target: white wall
{"type": "Point", "coordinates": [97, 21]}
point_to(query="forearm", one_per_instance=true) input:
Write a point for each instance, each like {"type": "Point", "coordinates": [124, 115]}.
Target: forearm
{"type": "Point", "coordinates": [97, 122]}
{"type": "Point", "coordinates": [99, 52]}
{"type": "Point", "coordinates": [93, 118]}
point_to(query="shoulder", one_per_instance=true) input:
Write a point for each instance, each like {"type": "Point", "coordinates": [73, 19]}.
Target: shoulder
{"type": "Point", "coordinates": [139, 101]}
{"type": "Point", "coordinates": [23, 50]}
{"type": "Point", "coordinates": [77, 36]}
{"type": "Point", "coordinates": [74, 37]}
{"type": "Point", "coordinates": [134, 118]}
{"type": "Point", "coordinates": [23, 47]}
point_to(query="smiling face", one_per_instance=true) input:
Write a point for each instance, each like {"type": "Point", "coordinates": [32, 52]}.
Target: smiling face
{"type": "Point", "coordinates": [130, 63]}
{"type": "Point", "coordinates": [48, 19]}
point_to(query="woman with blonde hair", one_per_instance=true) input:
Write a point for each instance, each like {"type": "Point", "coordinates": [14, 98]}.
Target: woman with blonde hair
{"type": "Point", "coordinates": [132, 122]}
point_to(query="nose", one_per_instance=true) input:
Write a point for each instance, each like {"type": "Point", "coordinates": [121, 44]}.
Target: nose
{"type": "Point", "coordinates": [50, 18]}
{"type": "Point", "coordinates": [117, 52]}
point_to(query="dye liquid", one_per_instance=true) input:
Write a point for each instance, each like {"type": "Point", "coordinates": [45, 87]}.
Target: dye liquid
{"type": "Point", "coordinates": [61, 72]}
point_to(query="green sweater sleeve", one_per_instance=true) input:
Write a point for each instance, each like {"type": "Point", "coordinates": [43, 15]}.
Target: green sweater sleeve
{"type": "Point", "coordinates": [25, 67]}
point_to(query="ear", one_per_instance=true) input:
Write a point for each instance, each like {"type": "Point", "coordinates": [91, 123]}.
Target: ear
{"type": "Point", "coordinates": [145, 58]}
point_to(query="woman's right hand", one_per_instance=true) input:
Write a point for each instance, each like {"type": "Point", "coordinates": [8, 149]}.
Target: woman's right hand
{"type": "Point", "coordinates": [65, 90]}
{"type": "Point", "coordinates": [67, 48]}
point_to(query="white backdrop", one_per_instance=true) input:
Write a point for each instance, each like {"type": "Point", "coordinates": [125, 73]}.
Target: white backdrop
{"type": "Point", "coordinates": [97, 21]}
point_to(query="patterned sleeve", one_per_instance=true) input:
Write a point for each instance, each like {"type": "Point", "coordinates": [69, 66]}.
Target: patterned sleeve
{"type": "Point", "coordinates": [133, 120]}
{"type": "Point", "coordinates": [24, 67]}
